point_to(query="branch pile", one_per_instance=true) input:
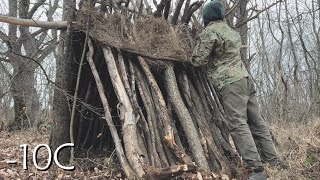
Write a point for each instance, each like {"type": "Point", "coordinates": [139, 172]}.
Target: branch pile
{"type": "Point", "coordinates": [163, 118]}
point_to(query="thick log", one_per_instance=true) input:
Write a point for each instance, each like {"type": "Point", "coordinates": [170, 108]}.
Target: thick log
{"type": "Point", "coordinates": [218, 156]}
{"type": "Point", "coordinates": [206, 95]}
{"type": "Point", "coordinates": [185, 118]}
{"type": "Point", "coordinates": [122, 158]}
{"type": "Point", "coordinates": [131, 91]}
{"type": "Point", "coordinates": [163, 114]}
{"type": "Point", "coordinates": [34, 23]}
{"type": "Point", "coordinates": [124, 74]}
{"type": "Point", "coordinates": [214, 103]}
{"type": "Point", "coordinates": [202, 107]}
{"type": "Point", "coordinates": [129, 127]}
{"type": "Point", "coordinates": [147, 131]}
{"type": "Point", "coordinates": [174, 128]}
{"type": "Point", "coordinates": [170, 172]}
{"type": "Point", "coordinates": [152, 119]}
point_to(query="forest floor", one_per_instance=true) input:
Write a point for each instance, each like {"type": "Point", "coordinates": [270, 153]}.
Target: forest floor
{"type": "Point", "coordinates": [297, 144]}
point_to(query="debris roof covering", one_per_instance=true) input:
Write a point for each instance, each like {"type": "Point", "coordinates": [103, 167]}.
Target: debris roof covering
{"type": "Point", "coordinates": [147, 36]}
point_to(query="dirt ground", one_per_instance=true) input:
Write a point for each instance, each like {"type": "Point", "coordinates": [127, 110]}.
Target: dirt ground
{"type": "Point", "coordinates": [297, 144]}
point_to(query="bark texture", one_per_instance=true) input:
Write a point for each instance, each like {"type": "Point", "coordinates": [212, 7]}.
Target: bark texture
{"type": "Point", "coordinates": [65, 81]}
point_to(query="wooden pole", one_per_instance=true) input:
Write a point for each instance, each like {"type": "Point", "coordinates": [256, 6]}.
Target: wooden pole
{"type": "Point", "coordinates": [34, 23]}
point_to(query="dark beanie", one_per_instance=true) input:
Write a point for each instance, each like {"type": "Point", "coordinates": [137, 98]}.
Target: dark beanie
{"type": "Point", "coordinates": [212, 11]}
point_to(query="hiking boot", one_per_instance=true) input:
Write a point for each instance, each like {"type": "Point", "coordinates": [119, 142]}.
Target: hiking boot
{"type": "Point", "coordinates": [254, 174]}
{"type": "Point", "coordinates": [280, 164]}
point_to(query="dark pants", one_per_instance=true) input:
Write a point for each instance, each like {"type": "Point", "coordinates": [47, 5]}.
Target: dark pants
{"type": "Point", "coordinates": [246, 125]}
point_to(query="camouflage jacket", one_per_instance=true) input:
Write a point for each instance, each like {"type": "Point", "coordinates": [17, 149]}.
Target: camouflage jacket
{"type": "Point", "coordinates": [219, 47]}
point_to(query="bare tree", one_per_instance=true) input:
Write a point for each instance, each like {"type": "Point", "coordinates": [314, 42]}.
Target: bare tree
{"type": "Point", "coordinates": [287, 51]}
{"type": "Point", "coordinates": [26, 48]}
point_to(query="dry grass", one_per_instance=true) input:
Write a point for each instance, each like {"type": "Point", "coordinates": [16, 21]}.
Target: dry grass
{"type": "Point", "coordinates": [146, 35]}
{"type": "Point", "coordinates": [299, 145]}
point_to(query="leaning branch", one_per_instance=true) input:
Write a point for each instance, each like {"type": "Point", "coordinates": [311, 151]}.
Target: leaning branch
{"type": "Point", "coordinates": [119, 150]}
{"type": "Point", "coordinates": [34, 23]}
{"type": "Point", "coordinates": [35, 8]}
{"type": "Point", "coordinates": [195, 6]}
{"type": "Point", "coordinates": [234, 7]}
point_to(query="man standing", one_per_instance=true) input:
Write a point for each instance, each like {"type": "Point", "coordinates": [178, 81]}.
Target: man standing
{"type": "Point", "coordinates": [218, 47]}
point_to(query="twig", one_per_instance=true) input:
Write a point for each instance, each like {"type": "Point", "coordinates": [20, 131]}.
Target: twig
{"type": "Point", "coordinates": [39, 64]}
{"type": "Point", "coordinates": [241, 23]}
{"type": "Point", "coordinates": [3, 94]}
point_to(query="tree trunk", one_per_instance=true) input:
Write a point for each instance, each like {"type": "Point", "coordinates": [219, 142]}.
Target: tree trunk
{"type": "Point", "coordinates": [185, 118]}
{"type": "Point", "coordinates": [65, 68]}
{"type": "Point", "coordinates": [243, 30]}
{"type": "Point", "coordinates": [130, 138]}
{"type": "Point", "coordinates": [26, 101]}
